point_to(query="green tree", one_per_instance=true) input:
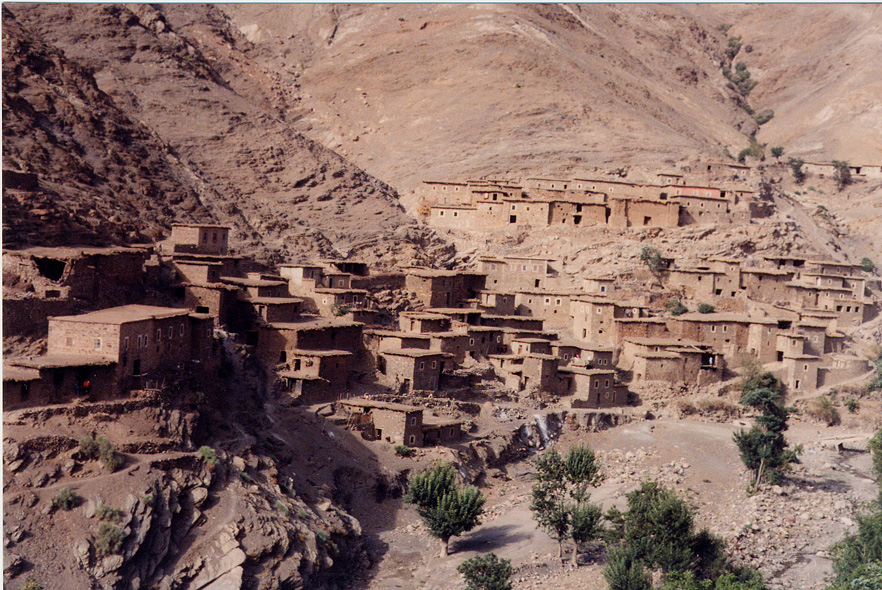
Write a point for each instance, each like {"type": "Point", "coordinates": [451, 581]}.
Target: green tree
{"type": "Point", "coordinates": [624, 572]}
{"type": "Point", "coordinates": [796, 167]}
{"type": "Point", "coordinates": [763, 448]}
{"type": "Point", "coordinates": [560, 499]}
{"type": "Point", "coordinates": [841, 174]}
{"type": "Point", "coordinates": [447, 508]}
{"type": "Point", "coordinates": [652, 258]}
{"type": "Point", "coordinates": [659, 528]}
{"type": "Point", "coordinates": [867, 265]}
{"type": "Point", "coordinates": [486, 572]}
{"type": "Point", "coordinates": [777, 151]}
{"type": "Point", "coordinates": [706, 308]}
{"type": "Point", "coordinates": [676, 307]}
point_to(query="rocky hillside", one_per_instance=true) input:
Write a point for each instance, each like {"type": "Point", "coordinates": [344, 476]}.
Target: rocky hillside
{"type": "Point", "coordinates": [490, 89]}
{"type": "Point", "coordinates": [133, 117]}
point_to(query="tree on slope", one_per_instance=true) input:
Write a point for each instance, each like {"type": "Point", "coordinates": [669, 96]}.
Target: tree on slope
{"type": "Point", "coordinates": [763, 448]}
{"type": "Point", "coordinates": [560, 499]}
{"type": "Point", "coordinates": [447, 508]}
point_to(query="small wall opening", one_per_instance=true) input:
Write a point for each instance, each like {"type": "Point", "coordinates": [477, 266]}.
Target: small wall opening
{"type": "Point", "coordinates": [50, 268]}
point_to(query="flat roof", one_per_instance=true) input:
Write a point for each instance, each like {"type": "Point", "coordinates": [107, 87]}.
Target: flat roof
{"type": "Point", "coordinates": [396, 333]}
{"type": "Point", "coordinates": [199, 262]}
{"type": "Point", "coordinates": [723, 317]}
{"type": "Point", "coordinates": [202, 225]}
{"type": "Point", "coordinates": [253, 282]}
{"type": "Point", "coordinates": [274, 300]}
{"type": "Point", "coordinates": [369, 403]}
{"type": "Point", "coordinates": [299, 375]}
{"type": "Point", "coordinates": [583, 371]}
{"type": "Point", "coordinates": [641, 320]}
{"type": "Point", "coordinates": [445, 311]}
{"type": "Point", "coordinates": [74, 251]}
{"type": "Point", "coordinates": [657, 355]}
{"type": "Point", "coordinates": [321, 353]}
{"type": "Point", "coordinates": [539, 355]}
{"type": "Point", "coordinates": [531, 340]}
{"type": "Point", "coordinates": [414, 352]}
{"type": "Point", "coordinates": [767, 271]}
{"type": "Point", "coordinates": [662, 341]}
{"type": "Point", "coordinates": [313, 324]}
{"type": "Point", "coordinates": [57, 361]}
{"type": "Point", "coordinates": [467, 207]}
{"type": "Point", "coordinates": [338, 291]}
{"type": "Point", "coordinates": [123, 314]}
{"type": "Point", "coordinates": [423, 315]}
{"type": "Point", "coordinates": [13, 373]}
{"type": "Point", "coordinates": [440, 423]}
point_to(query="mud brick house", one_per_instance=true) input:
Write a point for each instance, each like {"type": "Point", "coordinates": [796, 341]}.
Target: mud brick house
{"type": "Point", "coordinates": [767, 284]}
{"type": "Point", "coordinates": [411, 369]}
{"type": "Point", "coordinates": [539, 371]}
{"type": "Point", "coordinates": [641, 327]}
{"type": "Point", "coordinates": [513, 273]}
{"type": "Point", "coordinates": [397, 424]}
{"type": "Point", "coordinates": [58, 378]}
{"type": "Point", "coordinates": [460, 317]}
{"type": "Point", "coordinates": [337, 302]}
{"type": "Point", "coordinates": [438, 431]}
{"type": "Point", "coordinates": [551, 306]}
{"type": "Point", "coordinates": [593, 317]}
{"type": "Point", "coordinates": [486, 340]}
{"type": "Point", "coordinates": [42, 282]}
{"type": "Point", "coordinates": [314, 374]}
{"type": "Point", "coordinates": [524, 346]}
{"type": "Point", "coordinates": [217, 300]}
{"type": "Point", "coordinates": [599, 285]}
{"type": "Point", "coordinates": [497, 302]}
{"type": "Point", "coordinates": [593, 388]}
{"type": "Point", "coordinates": [259, 285]}
{"type": "Point", "coordinates": [377, 339]}
{"type": "Point", "coordinates": [195, 238]}
{"type": "Point", "coordinates": [302, 276]}
{"type": "Point", "coordinates": [309, 333]}
{"type": "Point", "coordinates": [118, 349]}
{"type": "Point", "coordinates": [421, 322]}
{"type": "Point", "coordinates": [643, 213]}
{"type": "Point", "coordinates": [733, 335]}
{"type": "Point", "coordinates": [671, 360]}
{"type": "Point", "coordinates": [515, 322]}
{"type": "Point", "coordinates": [443, 288]}
{"type": "Point", "coordinates": [353, 268]}
{"type": "Point", "coordinates": [455, 344]}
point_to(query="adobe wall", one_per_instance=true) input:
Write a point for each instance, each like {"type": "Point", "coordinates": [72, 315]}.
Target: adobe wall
{"type": "Point", "coordinates": [379, 282]}
{"type": "Point", "coordinates": [533, 213]}
{"type": "Point", "coordinates": [399, 428]}
{"type": "Point", "coordinates": [553, 309]}
{"type": "Point", "coordinates": [591, 391]}
{"type": "Point", "coordinates": [658, 369]}
{"type": "Point", "coordinates": [217, 301]}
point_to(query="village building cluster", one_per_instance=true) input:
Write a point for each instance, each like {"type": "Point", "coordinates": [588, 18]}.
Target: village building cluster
{"type": "Point", "coordinates": [316, 327]}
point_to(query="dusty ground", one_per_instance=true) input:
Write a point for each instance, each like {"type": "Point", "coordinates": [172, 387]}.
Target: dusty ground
{"type": "Point", "coordinates": [785, 531]}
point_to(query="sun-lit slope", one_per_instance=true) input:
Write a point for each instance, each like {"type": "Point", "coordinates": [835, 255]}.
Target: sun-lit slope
{"type": "Point", "coordinates": [818, 67]}
{"type": "Point", "coordinates": [447, 90]}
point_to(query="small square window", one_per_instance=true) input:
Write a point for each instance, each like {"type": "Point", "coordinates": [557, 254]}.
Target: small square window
{"type": "Point", "coordinates": [422, 365]}
{"type": "Point", "coordinates": [97, 343]}
{"type": "Point", "coordinates": [69, 341]}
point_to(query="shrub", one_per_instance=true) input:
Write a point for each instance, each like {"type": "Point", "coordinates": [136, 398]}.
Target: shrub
{"type": "Point", "coordinates": [281, 506]}
{"type": "Point", "coordinates": [777, 151]}
{"type": "Point", "coordinates": [796, 167]}
{"type": "Point", "coordinates": [841, 174]}
{"type": "Point", "coordinates": [108, 539]}
{"type": "Point", "coordinates": [706, 308]}
{"type": "Point", "coordinates": [764, 117]}
{"type": "Point", "coordinates": [652, 258]}
{"type": "Point", "coordinates": [733, 47]}
{"type": "Point", "coordinates": [32, 583]}
{"type": "Point", "coordinates": [623, 572]}
{"type": "Point", "coordinates": [108, 513]}
{"type": "Point", "coordinates": [322, 536]}
{"type": "Point", "coordinates": [245, 477]}
{"type": "Point", "coordinates": [107, 453]}
{"type": "Point", "coordinates": [686, 407]}
{"type": "Point", "coordinates": [66, 499]}
{"type": "Point", "coordinates": [823, 410]}
{"type": "Point", "coordinates": [676, 307]}
{"type": "Point", "coordinates": [208, 455]}
{"type": "Point", "coordinates": [404, 451]}
{"type": "Point", "coordinates": [851, 404]}
{"type": "Point", "coordinates": [88, 447]}
{"type": "Point", "coordinates": [486, 572]}
{"type": "Point", "coordinates": [867, 264]}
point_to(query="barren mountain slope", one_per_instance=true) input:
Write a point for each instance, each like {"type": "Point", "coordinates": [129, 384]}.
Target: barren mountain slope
{"type": "Point", "coordinates": [451, 90]}
{"type": "Point", "coordinates": [178, 70]}
{"type": "Point", "coordinates": [820, 73]}
{"type": "Point", "coordinates": [101, 176]}
{"type": "Point", "coordinates": [416, 91]}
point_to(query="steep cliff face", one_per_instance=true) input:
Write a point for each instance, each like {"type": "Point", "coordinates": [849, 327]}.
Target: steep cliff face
{"type": "Point", "coordinates": [87, 172]}
{"type": "Point", "coordinates": [211, 134]}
